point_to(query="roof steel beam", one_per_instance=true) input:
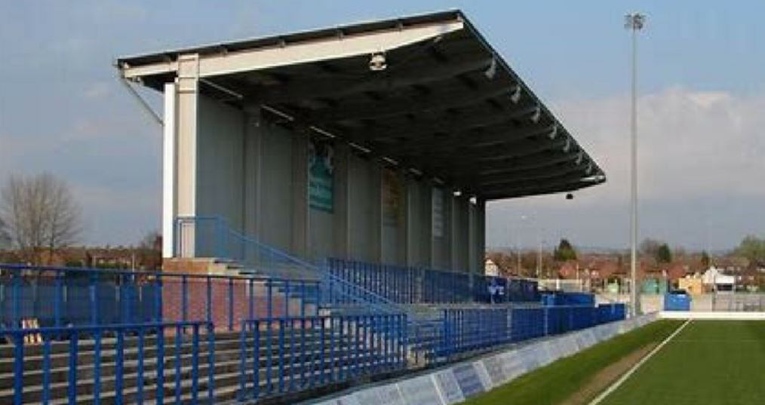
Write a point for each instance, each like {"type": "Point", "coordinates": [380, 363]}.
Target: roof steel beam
{"type": "Point", "coordinates": [311, 88]}
{"type": "Point", "coordinates": [405, 105]}
{"type": "Point", "coordinates": [341, 46]}
{"type": "Point", "coordinates": [450, 124]}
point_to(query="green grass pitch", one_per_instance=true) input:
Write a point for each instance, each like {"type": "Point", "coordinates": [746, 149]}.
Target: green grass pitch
{"type": "Point", "coordinates": [709, 362]}
{"type": "Point", "coordinates": [553, 384]}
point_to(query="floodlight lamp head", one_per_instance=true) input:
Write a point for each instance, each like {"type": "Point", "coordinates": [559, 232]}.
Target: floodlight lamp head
{"type": "Point", "coordinates": [537, 115]}
{"type": "Point", "coordinates": [515, 96]}
{"type": "Point", "coordinates": [377, 62]}
{"type": "Point", "coordinates": [567, 146]}
{"type": "Point", "coordinates": [634, 21]}
{"type": "Point", "coordinates": [553, 133]}
{"type": "Point", "coordinates": [491, 71]}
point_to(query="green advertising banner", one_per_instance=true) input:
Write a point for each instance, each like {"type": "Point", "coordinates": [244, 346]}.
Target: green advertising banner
{"type": "Point", "coordinates": [321, 176]}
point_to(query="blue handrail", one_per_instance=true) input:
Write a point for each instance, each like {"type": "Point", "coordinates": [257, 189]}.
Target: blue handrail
{"type": "Point", "coordinates": [336, 348]}
{"type": "Point", "coordinates": [97, 335]}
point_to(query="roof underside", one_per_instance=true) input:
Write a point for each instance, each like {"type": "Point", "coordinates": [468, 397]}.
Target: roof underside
{"type": "Point", "coordinates": [446, 106]}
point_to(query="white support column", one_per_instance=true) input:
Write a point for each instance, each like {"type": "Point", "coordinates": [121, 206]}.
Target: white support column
{"type": "Point", "coordinates": [186, 158]}
{"type": "Point", "coordinates": [168, 172]}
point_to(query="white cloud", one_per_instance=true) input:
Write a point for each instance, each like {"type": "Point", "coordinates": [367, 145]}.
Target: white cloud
{"type": "Point", "coordinates": [700, 174]}
{"type": "Point", "coordinates": [690, 143]}
{"type": "Point", "coordinates": [97, 91]}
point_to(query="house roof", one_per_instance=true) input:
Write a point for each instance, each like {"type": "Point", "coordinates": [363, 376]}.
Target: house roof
{"type": "Point", "coordinates": [426, 94]}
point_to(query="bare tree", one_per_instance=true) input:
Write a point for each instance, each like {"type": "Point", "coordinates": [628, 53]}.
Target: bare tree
{"type": "Point", "coordinates": [41, 215]}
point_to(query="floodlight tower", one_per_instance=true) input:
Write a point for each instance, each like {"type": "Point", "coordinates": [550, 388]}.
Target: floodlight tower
{"type": "Point", "coordinates": [634, 22]}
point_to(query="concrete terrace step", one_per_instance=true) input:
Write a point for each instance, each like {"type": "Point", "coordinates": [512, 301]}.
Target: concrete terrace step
{"type": "Point", "coordinates": [300, 362]}
{"type": "Point", "coordinates": [227, 379]}
{"type": "Point", "coordinates": [60, 364]}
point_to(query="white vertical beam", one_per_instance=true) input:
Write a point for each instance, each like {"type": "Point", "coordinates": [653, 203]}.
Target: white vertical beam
{"type": "Point", "coordinates": [186, 158]}
{"type": "Point", "coordinates": [168, 172]}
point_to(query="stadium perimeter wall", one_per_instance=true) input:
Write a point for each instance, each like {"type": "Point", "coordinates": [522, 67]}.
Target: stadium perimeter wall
{"type": "Point", "coordinates": [460, 381]}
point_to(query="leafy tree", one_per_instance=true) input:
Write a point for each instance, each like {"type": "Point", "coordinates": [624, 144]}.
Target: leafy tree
{"type": "Point", "coordinates": [650, 247]}
{"type": "Point", "coordinates": [565, 251]}
{"type": "Point", "coordinates": [753, 249]}
{"type": "Point", "coordinates": [40, 214]}
{"type": "Point", "coordinates": [150, 251]}
{"type": "Point", "coordinates": [705, 260]}
{"type": "Point", "coordinates": [5, 239]}
{"type": "Point", "coordinates": [664, 254]}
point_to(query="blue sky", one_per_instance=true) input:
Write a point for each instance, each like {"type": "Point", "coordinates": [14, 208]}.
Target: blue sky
{"type": "Point", "coordinates": [702, 92]}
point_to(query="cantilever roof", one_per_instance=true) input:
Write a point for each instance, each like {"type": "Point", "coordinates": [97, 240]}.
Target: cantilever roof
{"type": "Point", "coordinates": [446, 106]}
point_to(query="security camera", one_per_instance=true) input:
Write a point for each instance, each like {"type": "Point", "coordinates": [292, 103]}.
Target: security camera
{"type": "Point", "coordinates": [377, 62]}
{"type": "Point", "coordinates": [569, 196]}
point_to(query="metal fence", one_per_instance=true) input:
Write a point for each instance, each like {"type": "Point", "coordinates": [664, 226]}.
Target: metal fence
{"type": "Point", "coordinates": [418, 285]}
{"type": "Point", "coordinates": [58, 297]}
{"type": "Point", "coordinates": [287, 355]}
{"type": "Point", "coordinates": [468, 330]}
{"type": "Point", "coordinates": [738, 302]}
{"type": "Point", "coordinates": [123, 331]}
{"type": "Point", "coordinates": [114, 363]}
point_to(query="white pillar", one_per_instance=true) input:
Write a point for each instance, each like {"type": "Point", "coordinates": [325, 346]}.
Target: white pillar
{"type": "Point", "coordinates": [168, 172]}
{"type": "Point", "coordinates": [186, 168]}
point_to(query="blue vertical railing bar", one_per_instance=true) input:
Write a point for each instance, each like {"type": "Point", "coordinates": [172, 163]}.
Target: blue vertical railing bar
{"type": "Point", "coordinates": [140, 368]}
{"type": "Point", "coordinates": [195, 364]}
{"type": "Point", "coordinates": [178, 360]}
{"type": "Point", "coordinates": [58, 300]}
{"type": "Point", "coordinates": [16, 300]}
{"type": "Point", "coordinates": [160, 386]}
{"type": "Point", "coordinates": [97, 368]}
{"type": "Point", "coordinates": [46, 370]}
{"type": "Point", "coordinates": [230, 304]}
{"type": "Point", "coordinates": [292, 354]}
{"type": "Point", "coordinates": [241, 395]}
{"type": "Point", "coordinates": [282, 360]}
{"type": "Point", "coordinates": [72, 388]}
{"type": "Point", "coordinates": [119, 367]}
{"type": "Point", "coordinates": [211, 363]}
{"type": "Point", "coordinates": [184, 298]}
{"type": "Point", "coordinates": [256, 356]}
{"type": "Point", "coordinates": [208, 301]}
{"type": "Point", "coordinates": [269, 354]}
{"type": "Point", "coordinates": [18, 370]}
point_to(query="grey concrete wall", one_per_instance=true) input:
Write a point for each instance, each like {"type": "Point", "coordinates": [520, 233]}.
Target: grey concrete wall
{"type": "Point", "coordinates": [442, 257]}
{"type": "Point", "coordinates": [255, 174]}
{"type": "Point", "coordinates": [220, 169]}
{"type": "Point", "coordinates": [460, 233]}
{"type": "Point", "coordinates": [364, 220]}
{"type": "Point", "coordinates": [276, 190]}
{"type": "Point", "coordinates": [420, 223]}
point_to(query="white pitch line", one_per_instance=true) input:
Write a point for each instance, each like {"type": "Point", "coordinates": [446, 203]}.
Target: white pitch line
{"type": "Point", "coordinates": [634, 368]}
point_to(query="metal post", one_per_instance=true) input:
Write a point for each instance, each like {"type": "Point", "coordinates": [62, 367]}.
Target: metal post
{"type": "Point", "coordinates": [635, 23]}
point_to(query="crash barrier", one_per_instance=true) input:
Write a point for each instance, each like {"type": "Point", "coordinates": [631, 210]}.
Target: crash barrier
{"type": "Point", "coordinates": [162, 362]}
{"type": "Point", "coordinates": [461, 381]}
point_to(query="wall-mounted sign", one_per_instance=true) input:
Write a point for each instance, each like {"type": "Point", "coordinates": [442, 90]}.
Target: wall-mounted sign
{"type": "Point", "coordinates": [321, 167]}
{"type": "Point", "coordinates": [393, 198]}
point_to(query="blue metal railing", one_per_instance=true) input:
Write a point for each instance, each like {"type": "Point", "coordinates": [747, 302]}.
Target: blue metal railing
{"type": "Point", "coordinates": [162, 367]}
{"type": "Point", "coordinates": [417, 285]}
{"type": "Point", "coordinates": [59, 297]}
{"type": "Point", "coordinates": [214, 237]}
{"type": "Point", "coordinates": [481, 329]}
{"type": "Point", "coordinates": [334, 349]}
